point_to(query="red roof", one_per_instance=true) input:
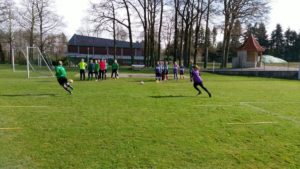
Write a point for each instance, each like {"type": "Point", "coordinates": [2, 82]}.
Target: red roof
{"type": "Point", "coordinates": [251, 44]}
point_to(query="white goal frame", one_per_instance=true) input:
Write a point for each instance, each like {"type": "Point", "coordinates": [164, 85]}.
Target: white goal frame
{"type": "Point", "coordinates": [40, 62]}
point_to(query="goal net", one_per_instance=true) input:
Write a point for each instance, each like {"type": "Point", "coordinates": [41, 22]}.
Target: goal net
{"type": "Point", "coordinates": [33, 62]}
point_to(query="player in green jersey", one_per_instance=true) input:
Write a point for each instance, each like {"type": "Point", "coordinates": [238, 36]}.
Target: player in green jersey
{"type": "Point", "coordinates": [61, 76]}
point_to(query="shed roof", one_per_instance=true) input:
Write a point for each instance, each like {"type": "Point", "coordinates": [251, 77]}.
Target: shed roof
{"type": "Point", "coordinates": [251, 44]}
{"type": "Point", "coordinates": [99, 42]}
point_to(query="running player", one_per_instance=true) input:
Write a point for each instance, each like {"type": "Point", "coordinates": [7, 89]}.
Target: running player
{"type": "Point", "coordinates": [198, 80]}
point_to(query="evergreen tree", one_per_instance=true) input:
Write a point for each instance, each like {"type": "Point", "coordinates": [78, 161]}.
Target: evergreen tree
{"type": "Point", "coordinates": [276, 45]}
{"type": "Point", "coordinates": [290, 47]}
{"type": "Point", "coordinates": [235, 38]}
{"type": "Point", "coordinates": [262, 36]}
{"type": "Point", "coordinates": [214, 36]}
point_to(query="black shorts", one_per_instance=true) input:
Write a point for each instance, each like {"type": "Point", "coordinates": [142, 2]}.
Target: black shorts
{"type": "Point", "coordinates": [62, 80]}
{"type": "Point", "coordinates": [198, 84]}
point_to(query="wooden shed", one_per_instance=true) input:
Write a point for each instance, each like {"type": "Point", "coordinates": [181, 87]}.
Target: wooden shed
{"type": "Point", "coordinates": [249, 54]}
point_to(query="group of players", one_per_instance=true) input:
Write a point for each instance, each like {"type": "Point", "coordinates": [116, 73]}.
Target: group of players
{"type": "Point", "coordinates": [162, 71]}
{"type": "Point", "coordinates": [99, 68]}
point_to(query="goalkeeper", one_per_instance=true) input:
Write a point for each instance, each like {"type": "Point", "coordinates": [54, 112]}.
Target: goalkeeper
{"type": "Point", "coordinates": [61, 75]}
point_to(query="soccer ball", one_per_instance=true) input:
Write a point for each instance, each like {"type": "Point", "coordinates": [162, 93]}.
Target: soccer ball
{"type": "Point", "coordinates": [71, 81]}
{"type": "Point", "coordinates": [157, 81]}
{"type": "Point", "coordinates": [142, 82]}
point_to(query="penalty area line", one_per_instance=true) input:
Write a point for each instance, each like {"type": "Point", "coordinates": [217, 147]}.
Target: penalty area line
{"type": "Point", "coordinates": [262, 110]}
{"type": "Point", "coordinates": [211, 105]}
{"type": "Point", "coordinates": [23, 106]}
{"type": "Point", "coordinates": [7, 129]}
{"type": "Point", "coordinates": [253, 123]}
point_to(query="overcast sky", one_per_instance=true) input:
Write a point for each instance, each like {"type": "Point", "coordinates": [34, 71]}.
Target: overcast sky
{"type": "Point", "coordinates": [285, 12]}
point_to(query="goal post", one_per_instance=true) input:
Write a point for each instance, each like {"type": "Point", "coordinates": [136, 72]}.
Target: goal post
{"type": "Point", "coordinates": [37, 65]}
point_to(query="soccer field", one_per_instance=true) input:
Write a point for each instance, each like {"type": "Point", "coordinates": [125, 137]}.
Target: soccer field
{"type": "Point", "coordinates": [248, 123]}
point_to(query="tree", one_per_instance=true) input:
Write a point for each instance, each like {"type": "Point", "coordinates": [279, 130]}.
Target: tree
{"type": "Point", "coordinates": [28, 19]}
{"type": "Point", "coordinates": [243, 10]}
{"type": "Point", "coordinates": [56, 45]}
{"type": "Point", "coordinates": [9, 25]}
{"type": "Point", "coordinates": [214, 36]}
{"type": "Point", "coordinates": [48, 20]}
{"type": "Point", "coordinates": [235, 38]}
{"type": "Point", "coordinates": [3, 11]}
{"type": "Point", "coordinates": [290, 45]}
{"type": "Point", "coordinates": [100, 14]}
{"type": "Point", "coordinates": [176, 31]}
{"type": "Point", "coordinates": [199, 16]}
{"type": "Point", "coordinates": [152, 14]}
{"type": "Point", "coordinates": [277, 40]}
{"type": "Point", "coordinates": [104, 18]}
{"type": "Point", "coordinates": [168, 30]}
{"type": "Point", "coordinates": [262, 36]}
{"type": "Point", "coordinates": [143, 16]}
{"type": "Point", "coordinates": [188, 17]}
{"type": "Point", "coordinates": [207, 31]}
{"type": "Point", "coordinates": [121, 34]}
{"type": "Point", "coordinates": [160, 27]}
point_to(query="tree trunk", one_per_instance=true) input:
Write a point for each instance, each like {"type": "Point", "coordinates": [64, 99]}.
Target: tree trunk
{"type": "Point", "coordinates": [10, 32]}
{"type": "Point", "coordinates": [114, 32]}
{"type": "Point", "coordinates": [228, 41]}
{"type": "Point", "coordinates": [176, 32]}
{"type": "Point", "coordinates": [181, 42]}
{"type": "Point", "coordinates": [2, 57]}
{"type": "Point", "coordinates": [224, 46]}
{"type": "Point", "coordinates": [130, 32]}
{"type": "Point", "coordinates": [160, 26]}
{"type": "Point", "coordinates": [207, 34]}
{"type": "Point", "coordinates": [31, 34]}
{"type": "Point", "coordinates": [198, 23]}
{"type": "Point", "coordinates": [41, 36]}
{"type": "Point", "coordinates": [190, 32]}
{"type": "Point", "coordinates": [190, 42]}
{"type": "Point", "coordinates": [145, 34]}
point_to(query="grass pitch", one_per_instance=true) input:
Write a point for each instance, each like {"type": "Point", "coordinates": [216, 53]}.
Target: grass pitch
{"type": "Point", "coordinates": [248, 123]}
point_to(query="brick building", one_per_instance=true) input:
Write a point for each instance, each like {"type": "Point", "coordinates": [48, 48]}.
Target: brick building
{"type": "Point", "coordinates": [91, 47]}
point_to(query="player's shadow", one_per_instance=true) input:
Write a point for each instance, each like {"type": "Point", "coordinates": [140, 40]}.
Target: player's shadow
{"type": "Point", "coordinates": [169, 96]}
{"type": "Point", "coordinates": [29, 95]}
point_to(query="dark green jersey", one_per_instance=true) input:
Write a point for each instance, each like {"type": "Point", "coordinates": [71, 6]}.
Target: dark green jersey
{"type": "Point", "coordinates": [115, 66]}
{"type": "Point", "coordinates": [97, 67]}
{"type": "Point", "coordinates": [60, 71]}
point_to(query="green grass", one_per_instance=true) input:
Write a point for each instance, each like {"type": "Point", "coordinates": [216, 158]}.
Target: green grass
{"type": "Point", "coordinates": [123, 124]}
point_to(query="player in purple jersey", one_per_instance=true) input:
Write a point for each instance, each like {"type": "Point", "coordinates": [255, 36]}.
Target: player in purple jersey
{"type": "Point", "coordinates": [181, 72]}
{"type": "Point", "coordinates": [175, 71]}
{"type": "Point", "coordinates": [158, 71]}
{"type": "Point", "coordinates": [198, 80]}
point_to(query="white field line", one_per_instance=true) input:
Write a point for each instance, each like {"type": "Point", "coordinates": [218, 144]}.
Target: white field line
{"type": "Point", "coordinates": [245, 103]}
{"type": "Point", "coordinates": [259, 109]}
{"type": "Point", "coordinates": [266, 102]}
{"type": "Point", "coordinates": [23, 106]}
{"type": "Point", "coordinates": [7, 129]}
{"type": "Point", "coordinates": [214, 105]}
{"type": "Point", "coordinates": [253, 123]}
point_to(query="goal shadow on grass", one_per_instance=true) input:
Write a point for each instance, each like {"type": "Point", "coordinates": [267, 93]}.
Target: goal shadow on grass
{"type": "Point", "coordinates": [29, 95]}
